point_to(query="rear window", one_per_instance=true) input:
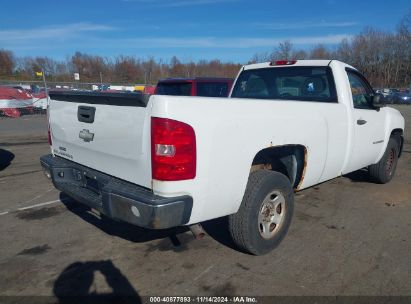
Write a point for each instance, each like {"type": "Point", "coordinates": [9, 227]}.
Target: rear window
{"type": "Point", "coordinates": [212, 89]}
{"type": "Point", "coordinates": [174, 88]}
{"type": "Point", "coordinates": [294, 83]}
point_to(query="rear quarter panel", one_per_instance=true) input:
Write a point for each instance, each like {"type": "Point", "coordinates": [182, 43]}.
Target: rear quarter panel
{"type": "Point", "coordinates": [229, 133]}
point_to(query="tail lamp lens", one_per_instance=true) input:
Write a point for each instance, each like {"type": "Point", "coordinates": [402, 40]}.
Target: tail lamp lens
{"type": "Point", "coordinates": [49, 135]}
{"type": "Point", "coordinates": [173, 150]}
{"type": "Point", "coordinates": [48, 126]}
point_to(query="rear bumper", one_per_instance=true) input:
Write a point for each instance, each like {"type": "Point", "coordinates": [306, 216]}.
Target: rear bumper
{"type": "Point", "coordinates": [117, 199]}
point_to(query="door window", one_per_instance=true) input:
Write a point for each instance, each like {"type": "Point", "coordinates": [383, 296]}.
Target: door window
{"type": "Point", "coordinates": [361, 91]}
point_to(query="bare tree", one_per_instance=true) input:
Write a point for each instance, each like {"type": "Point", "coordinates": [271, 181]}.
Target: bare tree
{"type": "Point", "coordinates": [6, 63]}
{"type": "Point", "coordinates": [319, 52]}
{"type": "Point", "coordinates": [260, 57]}
{"type": "Point", "coordinates": [283, 51]}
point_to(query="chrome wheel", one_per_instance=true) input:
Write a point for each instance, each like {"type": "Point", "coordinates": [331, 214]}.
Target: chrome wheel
{"type": "Point", "coordinates": [271, 215]}
{"type": "Point", "coordinates": [390, 162]}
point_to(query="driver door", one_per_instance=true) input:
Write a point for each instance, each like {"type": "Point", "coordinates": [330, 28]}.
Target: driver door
{"type": "Point", "coordinates": [367, 124]}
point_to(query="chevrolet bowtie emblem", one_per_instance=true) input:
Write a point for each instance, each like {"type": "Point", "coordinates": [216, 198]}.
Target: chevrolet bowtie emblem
{"type": "Point", "coordinates": [86, 135]}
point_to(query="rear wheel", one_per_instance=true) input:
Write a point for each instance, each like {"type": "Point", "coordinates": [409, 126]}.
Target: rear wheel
{"type": "Point", "coordinates": [383, 171]}
{"type": "Point", "coordinates": [265, 212]}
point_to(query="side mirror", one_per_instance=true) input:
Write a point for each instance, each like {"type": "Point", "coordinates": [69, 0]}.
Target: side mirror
{"type": "Point", "coordinates": [378, 100]}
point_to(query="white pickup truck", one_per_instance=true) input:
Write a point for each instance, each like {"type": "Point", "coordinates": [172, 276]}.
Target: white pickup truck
{"type": "Point", "coordinates": [166, 161]}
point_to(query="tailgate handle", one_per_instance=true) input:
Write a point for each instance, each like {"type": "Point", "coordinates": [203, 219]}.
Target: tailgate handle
{"type": "Point", "coordinates": [86, 114]}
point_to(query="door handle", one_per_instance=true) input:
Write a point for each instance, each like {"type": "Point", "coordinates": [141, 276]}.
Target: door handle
{"type": "Point", "coordinates": [361, 122]}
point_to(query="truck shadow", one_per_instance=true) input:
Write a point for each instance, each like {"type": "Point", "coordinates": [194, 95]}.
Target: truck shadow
{"type": "Point", "coordinates": [218, 230]}
{"type": "Point", "coordinates": [76, 282]}
{"type": "Point", "coordinates": [120, 229]}
{"type": "Point", "coordinates": [6, 158]}
{"type": "Point", "coordinates": [359, 176]}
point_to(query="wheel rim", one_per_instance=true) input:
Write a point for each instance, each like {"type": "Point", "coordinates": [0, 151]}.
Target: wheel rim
{"type": "Point", "coordinates": [390, 162]}
{"type": "Point", "coordinates": [272, 214]}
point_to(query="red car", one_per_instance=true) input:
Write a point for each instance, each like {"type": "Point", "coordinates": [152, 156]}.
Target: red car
{"type": "Point", "coordinates": [198, 86]}
{"type": "Point", "coordinates": [15, 101]}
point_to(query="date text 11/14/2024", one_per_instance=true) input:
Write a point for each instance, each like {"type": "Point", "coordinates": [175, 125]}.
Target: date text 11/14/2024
{"type": "Point", "coordinates": [203, 299]}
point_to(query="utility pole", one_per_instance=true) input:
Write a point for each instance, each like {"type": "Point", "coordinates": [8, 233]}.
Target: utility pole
{"type": "Point", "coordinates": [101, 79]}
{"type": "Point", "coordinates": [45, 83]}
{"type": "Point", "coordinates": [45, 86]}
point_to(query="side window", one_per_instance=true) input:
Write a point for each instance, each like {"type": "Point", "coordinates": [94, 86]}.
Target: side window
{"type": "Point", "coordinates": [177, 89]}
{"type": "Point", "coordinates": [212, 89]}
{"type": "Point", "coordinates": [361, 92]}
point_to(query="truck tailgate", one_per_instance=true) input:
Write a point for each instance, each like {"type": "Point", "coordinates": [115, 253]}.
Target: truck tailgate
{"type": "Point", "coordinates": [108, 132]}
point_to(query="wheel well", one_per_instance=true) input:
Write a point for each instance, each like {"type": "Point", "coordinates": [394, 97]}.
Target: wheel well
{"type": "Point", "coordinates": [398, 133]}
{"type": "Point", "coordinates": [289, 160]}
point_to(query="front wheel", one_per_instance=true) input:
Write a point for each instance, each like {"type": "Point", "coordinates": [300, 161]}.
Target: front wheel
{"type": "Point", "coordinates": [265, 212]}
{"type": "Point", "coordinates": [383, 171]}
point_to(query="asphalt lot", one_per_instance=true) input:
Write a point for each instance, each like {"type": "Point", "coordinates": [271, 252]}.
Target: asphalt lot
{"type": "Point", "coordinates": [348, 237]}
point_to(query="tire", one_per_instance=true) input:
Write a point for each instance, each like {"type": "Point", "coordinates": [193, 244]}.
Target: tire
{"type": "Point", "coordinates": [265, 213]}
{"type": "Point", "coordinates": [383, 171]}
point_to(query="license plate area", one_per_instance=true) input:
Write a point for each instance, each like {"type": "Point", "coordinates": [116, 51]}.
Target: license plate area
{"type": "Point", "coordinates": [92, 184]}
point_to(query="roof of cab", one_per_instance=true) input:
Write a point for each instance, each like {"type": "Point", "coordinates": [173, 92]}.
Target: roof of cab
{"type": "Point", "coordinates": [297, 63]}
{"type": "Point", "coordinates": [313, 62]}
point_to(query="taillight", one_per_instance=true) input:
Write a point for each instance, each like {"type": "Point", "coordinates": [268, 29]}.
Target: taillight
{"type": "Point", "coordinates": [48, 125]}
{"type": "Point", "coordinates": [283, 62]}
{"type": "Point", "coordinates": [173, 150]}
{"type": "Point", "coordinates": [49, 135]}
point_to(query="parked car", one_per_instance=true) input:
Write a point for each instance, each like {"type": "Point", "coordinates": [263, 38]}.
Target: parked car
{"type": "Point", "coordinates": [166, 161]}
{"type": "Point", "coordinates": [198, 86]}
{"type": "Point", "coordinates": [389, 95]}
{"type": "Point", "coordinates": [149, 89]}
{"type": "Point", "coordinates": [402, 97]}
{"type": "Point", "coordinates": [15, 101]}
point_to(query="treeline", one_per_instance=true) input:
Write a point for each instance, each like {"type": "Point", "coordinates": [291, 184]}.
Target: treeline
{"type": "Point", "coordinates": [120, 69]}
{"type": "Point", "coordinates": [384, 57]}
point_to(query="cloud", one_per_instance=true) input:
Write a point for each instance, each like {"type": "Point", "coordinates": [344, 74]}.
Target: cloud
{"type": "Point", "coordinates": [86, 37]}
{"type": "Point", "coordinates": [217, 43]}
{"type": "Point", "coordinates": [50, 32]}
{"type": "Point", "coordinates": [125, 44]}
{"type": "Point", "coordinates": [297, 26]}
{"type": "Point", "coordinates": [176, 3]}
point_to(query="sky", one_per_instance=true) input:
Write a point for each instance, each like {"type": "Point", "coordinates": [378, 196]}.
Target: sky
{"type": "Point", "coordinates": [228, 30]}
